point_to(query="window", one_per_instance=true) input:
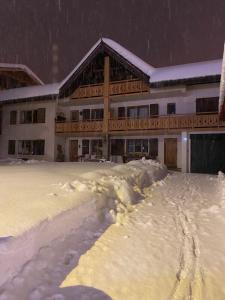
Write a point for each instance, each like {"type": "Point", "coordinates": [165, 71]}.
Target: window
{"type": "Point", "coordinates": [85, 147]}
{"type": "Point", "coordinates": [153, 148]}
{"type": "Point", "coordinates": [32, 116]}
{"type": "Point", "coordinates": [86, 115]}
{"type": "Point", "coordinates": [38, 147]}
{"type": "Point", "coordinates": [97, 114]}
{"type": "Point", "coordinates": [171, 108]}
{"type": "Point", "coordinates": [31, 147]}
{"type": "Point", "coordinates": [39, 115]}
{"type": "Point", "coordinates": [26, 117]}
{"type": "Point", "coordinates": [11, 147]}
{"type": "Point", "coordinates": [13, 117]}
{"type": "Point", "coordinates": [154, 110]}
{"type": "Point", "coordinates": [96, 147]}
{"type": "Point", "coordinates": [137, 146]}
{"type": "Point", "coordinates": [135, 112]}
{"type": "Point", "coordinates": [25, 147]}
{"type": "Point", "coordinates": [121, 113]}
{"type": "Point", "coordinates": [207, 105]}
{"type": "Point", "coordinates": [117, 147]}
{"type": "Point", "coordinates": [74, 116]}
{"type": "Point", "coordinates": [143, 112]}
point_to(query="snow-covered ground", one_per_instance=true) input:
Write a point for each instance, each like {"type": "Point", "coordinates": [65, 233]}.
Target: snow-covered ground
{"type": "Point", "coordinates": [168, 245]}
{"type": "Point", "coordinates": [42, 202]}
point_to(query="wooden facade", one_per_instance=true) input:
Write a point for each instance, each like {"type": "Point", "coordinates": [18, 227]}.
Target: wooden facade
{"type": "Point", "coordinates": [116, 88]}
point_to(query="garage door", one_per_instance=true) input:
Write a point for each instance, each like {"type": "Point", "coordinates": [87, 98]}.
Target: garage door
{"type": "Point", "coordinates": [207, 153]}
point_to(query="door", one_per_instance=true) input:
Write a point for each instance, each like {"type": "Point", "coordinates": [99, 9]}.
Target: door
{"type": "Point", "coordinates": [208, 153]}
{"type": "Point", "coordinates": [74, 150]}
{"type": "Point", "coordinates": [170, 152]}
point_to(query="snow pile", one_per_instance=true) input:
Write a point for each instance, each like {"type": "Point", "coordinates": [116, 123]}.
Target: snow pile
{"type": "Point", "coordinates": [120, 187]}
{"type": "Point", "coordinates": [64, 193]}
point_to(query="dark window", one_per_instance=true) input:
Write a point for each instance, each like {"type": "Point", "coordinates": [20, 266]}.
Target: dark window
{"type": "Point", "coordinates": [153, 148]}
{"type": "Point", "coordinates": [86, 115]}
{"type": "Point", "coordinates": [39, 147]}
{"type": "Point", "coordinates": [117, 147]}
{"type": "Point", "coordinates": [96, 147]}
{"type": "Point", "coordinates": [154, 110]}
{"type": "Point", "coordinates": [121, 112]}
{"type": "Point", "coordinates": [11, 147]}
{"type": "Point", "coordinates": [25, 147]}
{"type": "Point", "coordinates": [26, 117]}
{"type": "Point", "coordinates": [171, 108]}
{"type": "Point", "coordinates": [74, 115]}
{"type": "Point", "coordinates": [207, 105]}
{"type": "Point", "coordinates": [137, 146]}
{"type": "Point", "coordinates": [39, 115]}
{"type": "Point", "coordinates": [85, 147]}
{"type": "Point", "coordinates": [97, 114]}
{"type": "Point", "coordinates": [135, 112]}
{"type": "Point", "coordinates": [31, 147]}
{"type": "Point", "coordinates": [143, 111]}
{"type": "Point", "coordinates": [13, 117]}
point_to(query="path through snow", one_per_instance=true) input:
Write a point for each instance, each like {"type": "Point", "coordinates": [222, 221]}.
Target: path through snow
{"type": "Point", "coordinates": [172, 246]}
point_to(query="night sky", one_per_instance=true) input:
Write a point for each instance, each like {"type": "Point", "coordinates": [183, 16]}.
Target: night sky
{"type": "Point", "coordinates": [51, 36]}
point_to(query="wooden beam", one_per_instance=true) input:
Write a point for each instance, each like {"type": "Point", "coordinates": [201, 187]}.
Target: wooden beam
{"type": "Point", "coordinates": [106, 94]}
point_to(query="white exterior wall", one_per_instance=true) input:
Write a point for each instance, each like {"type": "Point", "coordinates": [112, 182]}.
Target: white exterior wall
{"type": "Point", "coordinates": [45, 131]}
{"type": "Point", "coordinates": [185, 101]}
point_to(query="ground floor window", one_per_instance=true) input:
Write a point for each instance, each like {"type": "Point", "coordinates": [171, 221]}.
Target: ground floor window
{"type": "Point", "coordinates": [137, 146]}
{"type": "Point", "coordinates": [153, 148]}
{"type": "Point", "coordinates": [117, 147]}
{"type": "Point", "coordinates": [96, 147]}
{"type": "Point", "coordinates": [11, 147]}
{"type": "Point", "coordinates": [85, 147]}
{"type": "Point", "coordinates": [31, 147]}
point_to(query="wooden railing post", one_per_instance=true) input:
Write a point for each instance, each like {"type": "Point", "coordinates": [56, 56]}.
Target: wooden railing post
{"type": "Point", "coordinates": [106, 107]}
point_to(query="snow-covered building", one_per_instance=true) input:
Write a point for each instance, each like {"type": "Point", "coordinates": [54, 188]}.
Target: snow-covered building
{"type": "Point", "coordinates": [115, 105]}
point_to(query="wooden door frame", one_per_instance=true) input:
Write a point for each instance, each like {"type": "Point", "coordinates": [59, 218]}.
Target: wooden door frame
{"type": "Point", "coordinates": [70, 153]}
{"type": "Point", "coordinates": [166, 139]}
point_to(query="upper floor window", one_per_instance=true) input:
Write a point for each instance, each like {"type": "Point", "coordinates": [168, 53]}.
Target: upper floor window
{"type": "Point", "coordinates": [154, 110]}
{"type": "Point", "coordinates": [207, 105]}
{"type": "Point", "coordinates": [32, 116]}
{"type": "Point", "coordinates": [97, 114]}
{"type": "Point", "coordinates": [13, 117]}
{"type": "Point", "coordinates": [136, 112]}
{"type": "Point", "coordinates": [74, 115]}
{"type": "Point", "coordinates": [171, 108]}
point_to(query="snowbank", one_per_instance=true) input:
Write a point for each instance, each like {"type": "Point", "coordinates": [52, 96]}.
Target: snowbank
{"type": "Point", "coordinates": [106, 194]}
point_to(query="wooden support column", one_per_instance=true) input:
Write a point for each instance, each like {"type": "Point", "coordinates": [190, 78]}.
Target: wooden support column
{"type": "Point", "coordinates": [106, 153]}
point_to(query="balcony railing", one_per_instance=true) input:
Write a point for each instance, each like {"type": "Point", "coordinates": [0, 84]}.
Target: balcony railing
{"type": "Point", "coordinates": [115, 88]}
{"type": "Point", "coordinates": [71, 127]}
{"type": "Point", "coordinates": [178, 122]}
{"type": "Point", "coordinates": [167, 122]}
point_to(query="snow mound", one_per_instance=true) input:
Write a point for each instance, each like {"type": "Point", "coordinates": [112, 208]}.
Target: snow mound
{"type": "Point", "coordinates": [119, 188]}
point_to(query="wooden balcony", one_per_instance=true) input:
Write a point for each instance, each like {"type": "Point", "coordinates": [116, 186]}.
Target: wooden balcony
{"type": "Point", "coordinates": [167, 123]}
{"type": "Point", "coordinates": [115, 88]}
{"type": "Point", "coordinates": [174, 122]}
{"type": "Point", "coordinates": [76, 127]}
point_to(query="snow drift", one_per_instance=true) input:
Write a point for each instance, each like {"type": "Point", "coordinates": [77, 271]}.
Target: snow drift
{"type": "Point", "coordinates": [100, 196]}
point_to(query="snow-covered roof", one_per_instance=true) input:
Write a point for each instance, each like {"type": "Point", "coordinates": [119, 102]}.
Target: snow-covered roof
{"type": "Point", "coordinates": [187, 71]}
{"type": "Point", "coordinates": [126, 54]}
{"type": "Point", "coordinates": [222, 83]}
{"type": "Point", "coordinates": [29, 92]}
{"type": "Point", "coordinates": [21, 67]}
